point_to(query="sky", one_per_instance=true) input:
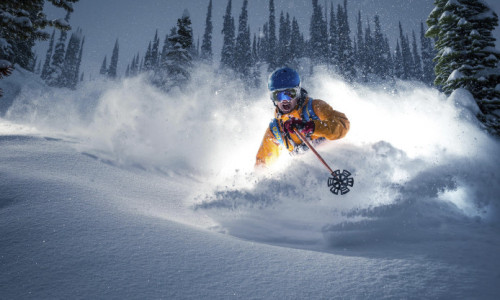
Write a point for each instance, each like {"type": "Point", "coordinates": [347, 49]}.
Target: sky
{"type": "Point", "coordinates": [134, 23]}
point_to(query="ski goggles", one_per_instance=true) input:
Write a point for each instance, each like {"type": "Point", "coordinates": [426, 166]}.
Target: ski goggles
{"type": "Point", "coordinates": [285, 94]}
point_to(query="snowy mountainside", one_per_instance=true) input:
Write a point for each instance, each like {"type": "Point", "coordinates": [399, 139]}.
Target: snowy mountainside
{"type": "Point", "coordinates": [119, 168]}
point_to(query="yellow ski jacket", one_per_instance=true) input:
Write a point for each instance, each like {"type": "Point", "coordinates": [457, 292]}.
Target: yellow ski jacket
{"type": "Point", "coordinates": [329, 124]}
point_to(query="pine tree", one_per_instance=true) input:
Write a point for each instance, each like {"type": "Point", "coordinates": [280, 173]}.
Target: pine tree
{"type": "Point", "coordinates": [346, 53]}
{"type": "Point", "coordinates": [427, 57]}
{"type": "Point", "coordinates": [284, 46]}
{"type": "Point", "coordinates": [296, 44]}
{"type": "Point", "coordinates": [243, 53]}
{"type": "Point", "coordinates": [406, 59]}
{"type": "Point", "coordinates": [113, 64]}
{"type": "Point", "coordinates": [272, 59]}
{"type": "Point", "coordinates": [228, 30]}
{"type": "Point", "coordinates": [178, 60]}
{"type": "Point", "coordinates": [380, 51]}
{"type": "Point", "coordinates": [154, 51]}
{"type": "Point", "coordinates": [389, 67]}
{"type": "Point", "coordinates": [333, 37]}
{"type": "Point", "coordinates": [196, 53]}
{"type": "Point", "coordinates": [46, 70]}
{"type": "Point", "coordinates": [398, 62]}
{"type": "Point", "coordinates": [55, 78]}
{"type": "Point", "coordinates": [134, 65]}
{"type": "Point", "coordinates": [22, 25]}
{"type": "Point", "coordinates": [361, 59]}
{"type": "Point", "coordinates": [264, 43]}
{"type": "Point", "coordinates": [255, 63]}
{"type": "Point", "coordinates": [148, 59]}
{"type": "Point", "coordinates": [78, 64]}
{"type": "Point", "coordinates": [417, 62]}
{"type": "Point", "coordinates": [23, 55]}
{"type": "Point", "coordinates": [467, 57]}
{"type": "Point", "coordinates": [324, 37]}
{"type": "Point", "coordinates": [104, 68]}
{"type": "Point", "coordinates": [69, 75]}
{"type": "Point", "coordinates": [160, 77]}
{"type": "Point", "coordinates": [206, 46]}
{"type": "Point", "coordinates": [255, 52]}
{"type": "Point", "coordinates": [318, 37]}
{"type": "Point", "coordinates": [369, 53]}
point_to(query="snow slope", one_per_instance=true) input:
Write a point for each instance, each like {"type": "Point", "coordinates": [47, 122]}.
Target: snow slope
{"type": "Point", "coordinates": [119, 191]}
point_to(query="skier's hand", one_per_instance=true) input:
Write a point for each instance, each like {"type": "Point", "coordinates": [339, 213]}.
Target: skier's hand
{"type": "Point", "coordinates": [304, 127]}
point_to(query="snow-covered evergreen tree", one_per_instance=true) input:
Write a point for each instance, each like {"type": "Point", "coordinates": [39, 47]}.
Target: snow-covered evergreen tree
{"type": "Point", "coordinates": [104, 67]}
{"type": "Point", "coordinates": [389, 58]}
{"type": "Point", "coordinates": [360, 45]}
{"type": "Point", "coordinates": [398, 62]}
{"type": "Point", "coordinates": [243, 50]}
{"type": "Point", "coordinates": [206, 46]}
{"type": "Point", "coordinates": [134, 65]}
{"type": "Point", "coordinates": [148, 59]}
{"type": "Point", "coordinates": [255, 50]}
{"type": "Point", "coordinates": [55, 77]}
{"type": "Point", "coordinates": [22, 24]}
{"type": "Point", "coordinates": [228, 30]}
{"type": "Point", "coordinates": [368, 53]}
{"type": "Point", "coordinates": [318, 41]}
{"type": "Point", "coordinates": [69, 76]}
{"type": "Point", "coordinates": [417, 62]}
{"type": "Point", "coordinates": [346, 52]}
{"type": "Point", "coordinates": [284, 44]}
{"type": "Point", "coordinates": [178, 59]}
{"type": "Point", "coordinates": [427, 50]}
{"type": "Point", "coordinates": [466, 56]}
{"type": "Point", "coordinates": [256, 63]}
{"type": "Point", "coordinates": [78, 64]}
{"type": "Point", "coordinates": [155, 51]}
{"type": "Point", "coordinates": [46, 70]}
{"type": "Point", "coordinates": [160, 77]}
{"type": "Point", "coordinates": [296, 44]}
{"type": "Point", "coordinates": [406, 58]}
{"type": "Point", "coordinates": [264, 43]}
{"type": "Point", "coordinates": [333, 40]}
{"type": "Point", "coordinates": [272, 59]}
{"type": "Point", "coordinates": [380, 51]}
{"type": "Point", "coordinates": [113, 64]}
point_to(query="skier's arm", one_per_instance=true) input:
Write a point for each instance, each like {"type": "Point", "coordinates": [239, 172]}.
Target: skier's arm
{"type": "Point", "coordinates": [332, 124]}
{"type": "Point", "coordinates": [269, 150]}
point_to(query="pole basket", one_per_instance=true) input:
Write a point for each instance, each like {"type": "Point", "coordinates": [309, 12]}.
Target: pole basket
{"type": "Point", "coordinates": [340, 182]}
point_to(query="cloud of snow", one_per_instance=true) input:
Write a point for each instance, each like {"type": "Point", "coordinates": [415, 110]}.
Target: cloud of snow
{"type": "Point", "coordinates": [423, 166]}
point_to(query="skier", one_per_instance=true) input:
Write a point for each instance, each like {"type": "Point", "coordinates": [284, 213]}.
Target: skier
{"type": "Point", "coordinates": [314, 118]}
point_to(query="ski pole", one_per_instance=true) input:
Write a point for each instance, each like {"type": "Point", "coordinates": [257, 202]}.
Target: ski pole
{"type": "Point", "coordinates": [303, 138]}
{"type": "Point", "coordinates": [340, 181]}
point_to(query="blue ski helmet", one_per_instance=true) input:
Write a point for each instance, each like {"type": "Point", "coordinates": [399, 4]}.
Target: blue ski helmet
{"type": "Point", "coordinates": [283, 78]}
